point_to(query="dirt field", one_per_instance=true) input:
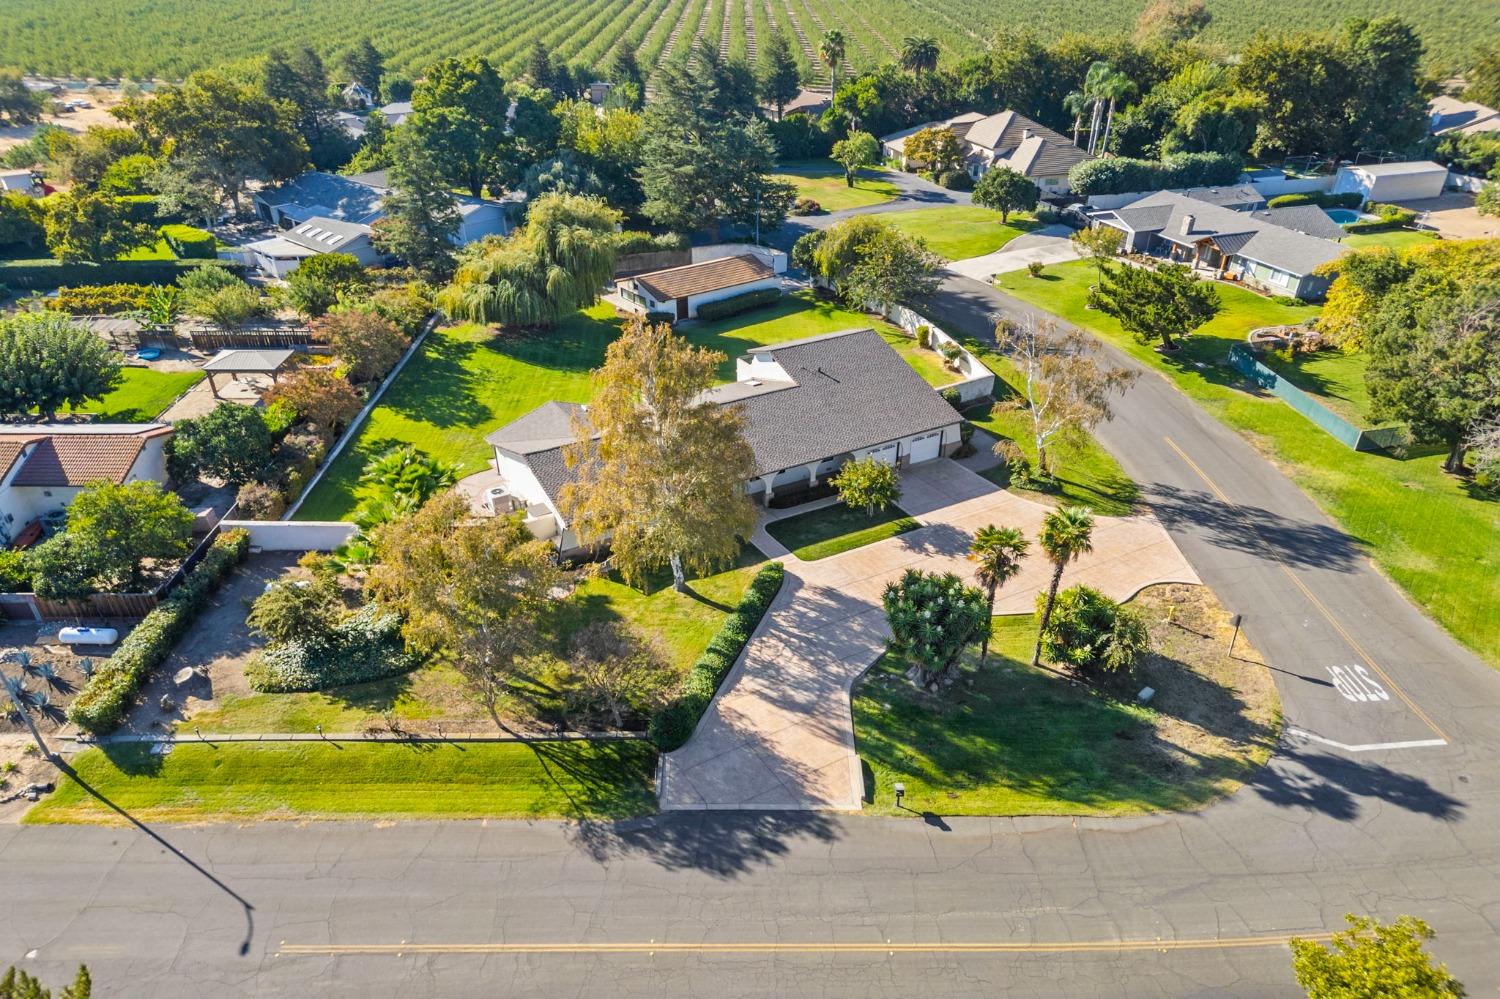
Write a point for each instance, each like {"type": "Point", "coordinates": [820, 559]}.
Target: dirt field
{"type": "Point", "coordinates": [75, 121]}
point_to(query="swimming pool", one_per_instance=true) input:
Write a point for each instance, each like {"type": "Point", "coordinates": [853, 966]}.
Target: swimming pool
{"type": "Point", "coordinates": [1343, 216]}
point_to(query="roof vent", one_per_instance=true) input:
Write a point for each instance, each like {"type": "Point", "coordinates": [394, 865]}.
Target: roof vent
{"type": "Point", "coordinates": [1187, 224]}
{"type": "Point", "coordinates": [755, 383]}
{"type": "Point", "coordinates": [1025, 134]}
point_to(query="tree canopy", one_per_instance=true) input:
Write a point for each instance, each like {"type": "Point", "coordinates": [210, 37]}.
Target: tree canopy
{"type": "Point", "coordinates": [1371, 960]}
{"type": "Point", "coordinates": [1005, 190]}
{"type": "Point", "coordinates": [869, 261]}
{"type": "Point", "coordinates": [1155, 303]}
{"type": "Point", "coordinates": [47, 361]}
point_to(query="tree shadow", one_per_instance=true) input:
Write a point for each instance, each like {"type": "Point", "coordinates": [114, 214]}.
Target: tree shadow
{"type": "Point", "coordinates": [1251, 529]}
{"type": "Point", "coordinates": [721, 844]}
{"type": "Point", "coordinates": [1184, 693]}
{"type": "Point", "coordinates": [1333, 785]}
{"type": "Point", "coordinates": [440, 387]}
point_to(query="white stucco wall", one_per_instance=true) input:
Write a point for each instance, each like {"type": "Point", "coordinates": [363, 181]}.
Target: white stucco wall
{"type": "Point", "coordinates": [716, 296]}
{"type": "Point", "coordinates": [294, 535]}
{"type": "Point", "coordinates": [520, 479]}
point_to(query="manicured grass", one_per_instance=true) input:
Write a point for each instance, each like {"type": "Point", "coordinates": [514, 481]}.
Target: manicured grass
{"type": "Point", "coordinates": [141, 395]}
{"type": "Point", "coordinates": [159, 250]}
{"type": "Point", "coordinates": [1007, 739]}
{"type": "Point", "coordinates": [1434, 537]}
{"type": "Point", "coordinates": [1336, 378]}
{"type": "Point", "coordinates": [823, 181]}
{"type": "Point", "coordinates": [1397, 239]}
{"type": "Point", "coordinates": [468, 380]}
{"type": "Point", "coordinates": [197, 783]}
{"type": "Point", "coordinates": [838, 528]}
{"type": "Point", "coordinates": [959, 231]}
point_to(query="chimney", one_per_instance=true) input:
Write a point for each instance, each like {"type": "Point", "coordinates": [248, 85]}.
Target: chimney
{"type": "Point", "coordinates": [1187, 225]}
{"type": "Point", "coordinates": [1025, 134]}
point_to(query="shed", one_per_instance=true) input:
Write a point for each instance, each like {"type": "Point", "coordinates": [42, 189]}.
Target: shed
{"type": "Point", "coordinates": [245, 362]}
{"type": "Point", "coordinates": [1393, 183]}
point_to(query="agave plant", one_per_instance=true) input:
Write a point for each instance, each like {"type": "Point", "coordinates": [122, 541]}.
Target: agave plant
{"type": "Point", "coordinates": [86, 667]}
{"type": "Point", "coordinates": [15, 688]}
{"type": "Point", "coordinates": [21, 659]}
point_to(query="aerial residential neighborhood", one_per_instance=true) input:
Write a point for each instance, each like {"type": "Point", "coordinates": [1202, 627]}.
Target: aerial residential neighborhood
{"type": "Point", "coordinates": [683, 498]}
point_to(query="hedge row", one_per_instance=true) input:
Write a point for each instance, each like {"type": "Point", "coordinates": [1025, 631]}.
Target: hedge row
{"type": "Point", "coordinates": [634, 241]}
{"type": "Point", "coordinates": [101, 706]}
{"type": "Point", "coordinates": [1126, 175]}
{"type": "Point", "coordinates": [735, 304]}
{"type": "Point", "coordinates": [190, 242]}
{"type": "Point", "coordinates": [100, 299]}
{"type": "Point", "coordinates": [673, 723]}
{"type": "Point", "coordinates": [1390, 217]}
{"type": "Point", "coordinates": [55, 273]}
{"type": "Point", "coordinates": [1349, 199]}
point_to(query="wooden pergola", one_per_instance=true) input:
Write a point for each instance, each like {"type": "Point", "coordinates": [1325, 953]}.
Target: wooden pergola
{"type": "Point", "coordinates": [245, 362]}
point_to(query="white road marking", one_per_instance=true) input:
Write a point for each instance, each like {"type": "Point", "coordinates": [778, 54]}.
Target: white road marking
{"type": "Point", "coordinates": [1367, 747]}
{"type": "Point", "coordinates": [1356, 683]}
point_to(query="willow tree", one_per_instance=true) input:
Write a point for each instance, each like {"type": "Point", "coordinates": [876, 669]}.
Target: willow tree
{"type": "Point", "coordinates": [550, 268]}
{"type": "Point", "coordinates": [660, 468]}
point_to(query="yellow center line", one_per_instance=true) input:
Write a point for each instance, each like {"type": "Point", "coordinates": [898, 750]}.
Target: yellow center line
{"type": "Point", "coordinates": [1234, 509]}
{"type": "Point", "coordinates": [654, 947]}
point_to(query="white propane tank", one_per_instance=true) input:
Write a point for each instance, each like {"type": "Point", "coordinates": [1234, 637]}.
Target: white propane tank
{"type": "Point", "coordinates": [88, 636]}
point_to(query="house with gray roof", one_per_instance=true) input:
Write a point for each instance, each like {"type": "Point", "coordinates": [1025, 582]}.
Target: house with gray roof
{"type": "Point", "coordinates": [810, 406]}
{"type": "Point", "coordinates": [1005, 139]}
{"type": "Point", "coordinates": [1277, 250]}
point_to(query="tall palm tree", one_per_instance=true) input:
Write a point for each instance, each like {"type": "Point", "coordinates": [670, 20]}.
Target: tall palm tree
{"type": "Point", "coordinates": [1094, 82]}
{"type": "Point", "coordinates": [831, 51]}
{"type": "Point", "coordinates": [919, 54]}
{"type": "Point", "coordinates": [1076, 104]}
{"type": "Point", "coordinates": [1067, 533]}
{"type": "Point", "coordinates": [997, 553]}
{"type": "Point", "coordinates": [1116, 87]}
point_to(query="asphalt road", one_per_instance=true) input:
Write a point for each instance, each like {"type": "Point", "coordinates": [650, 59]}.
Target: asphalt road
{"type": "Point", "coordinates": [815, 904]}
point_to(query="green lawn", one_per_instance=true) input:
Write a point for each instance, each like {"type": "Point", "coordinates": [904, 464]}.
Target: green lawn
{"type": "Point", "coordinates": [469, 380]}
{"type": "Point", "coordinates": [1336, 378]}
{"type": "Point", "coordinates": [197, 783]}
{"type": "Point", "coordinates": [1007, 739]}
{"type": "Point", "coordinates": [823, 181]}
{"type": "Point", "coordinates": [1437, 540]}
{"type": "Point", "coordinates": [1398, 239]}
{"type": "Point", "coordinates": [838, 528]}
{"type": "Point", "coordinates": [141, 395]}
{"type": "Point", "coordinates": [959, 231]}
{"type": "Point", "coordinates": [159, 250]}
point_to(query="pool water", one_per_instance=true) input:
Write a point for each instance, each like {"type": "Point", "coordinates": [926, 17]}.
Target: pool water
{"type": "Point", "coordinates": [1343, 216]}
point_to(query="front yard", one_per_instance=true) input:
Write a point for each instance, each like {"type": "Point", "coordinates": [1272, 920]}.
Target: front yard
{"type": "Point", "coordinates": [195, 782]}
{"type": "Point", "coordinates": [1424, 528]}
{"type": "Point", "coordinates": [469, 380]}
{"type": "Point", "coordinates": [823, 182]}
{"type": "Point", "coordinates": [956, 232]}
{"type": "Point", "coordinates": [831, 530]}
{"type": "Point", "coordinates": [1007, 739]}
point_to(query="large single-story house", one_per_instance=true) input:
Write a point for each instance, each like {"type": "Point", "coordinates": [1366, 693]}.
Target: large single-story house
{"type": "Point", "coordinates": [679, 291]}
{"type": "Point", "coordinates": [810, 406]}
{"type": "Point", "coordinates": [1393, 183]}
{"type": "Point", "coordinates": [43, 466]}
{"type": "Point", "coordinates": [1451, 114]}
{"type": "Point", "coordinates": [281, 254]}
{"type": "Point", "coordinates": [1268, 249]}
{"type": "Point", "coordinates": [1006, 139]}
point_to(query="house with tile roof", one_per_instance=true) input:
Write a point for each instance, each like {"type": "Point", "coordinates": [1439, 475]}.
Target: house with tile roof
{"type": "Point", "coordinates": [1005, 139]}
{"type": "Point", "coordinates": [1277, 250]}
{"type": "Point", "coordinates": [43, 466]}
{"type": "Point", "coordinates": [679, 291]}
{"type": "Point", "coordinates": [810, 406]}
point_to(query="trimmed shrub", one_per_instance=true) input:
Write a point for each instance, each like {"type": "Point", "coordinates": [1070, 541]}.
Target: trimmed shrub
{"type": "Point", "coordinates": [1322, 199]}
{"type": "Point", "coordinates": [736, 304]}
{"type": "Point", "coordinates": [190, 243]}
{"type": "Point", "coordinates": [661, 317]}
{"type": "Point", "coordinates": [673, 723]}
{"type": "Point", "coordinates": [956, 180]}
{"type": "Point", "coordinates": [364, 646]}
{"type": "Point", "coordinates": [100, 299]}
{"type": "Point", "coordinates": [806, 206]}
{"type": "Point", "coordinates": [1126, 175]}
{"type": "Point", "coordinates": [258, 501]}
{"type": "Point", "coordinates": [635, 241]}
{"type": "Point", "coordinates": [55, 273]}
{"type": "Point", "coordinates": [101, 705]}
{"type": "Point", "coordinates": [1390, 217]}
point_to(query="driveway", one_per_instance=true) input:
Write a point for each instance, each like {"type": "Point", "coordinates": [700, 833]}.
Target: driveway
{"type": "Point", "coordinates": [1048, 245]}
{"type": "Point", "coordinates": [1454, 216]}
{"type": "Point", "coordinates": [780, 733]}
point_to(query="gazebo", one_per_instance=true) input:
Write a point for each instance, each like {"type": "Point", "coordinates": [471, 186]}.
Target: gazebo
{"type": "Point", "coordinates": [245, 362]}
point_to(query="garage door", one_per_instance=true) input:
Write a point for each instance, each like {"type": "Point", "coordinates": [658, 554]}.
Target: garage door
{"type": "Point", "coordinates": [1408, 186]}
{"type": "Point", "coordinates": [886, 453]}
{"type": "Point", "coordinates": [926, 448]}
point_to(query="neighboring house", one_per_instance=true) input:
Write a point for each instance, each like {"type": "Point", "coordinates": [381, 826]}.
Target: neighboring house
{"type": "Point", "coordinates": [319, 195]}
{"type": "Point", "coordinates": [1393, 183]}
{"type": "Point", "coordinates": [1006, 139]}
{"type": "Point", "coordinates": [1267, 249]}
{"type": "Point", "coordinates": [358, 96]}
{"type": "Point", "coordinates": [810, 406]}
{"type": "Point", "coordinates": [599, 92]}
{"type": "Point", "coordinates": [43, 466]}
{"type": "Point", "coordinates": [679, 291]}
{"type": "Point", "coordinates": [352, 124]}
{"type": "Point", "coordinates": [396, 112]}
{"type": "Point", "coordinates": [1449, 114]}
{"type": "Point", "coordinates": [1240, 198]}
{"type": "Point", "coordinates": [20, 182]}
{"type": "Point", "coordinates": [279, 255]}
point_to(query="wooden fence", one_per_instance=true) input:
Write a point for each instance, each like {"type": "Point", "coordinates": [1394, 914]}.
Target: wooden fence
{"type": "Point", "coordinates": [658, 260]}
{"type": "Point", "coordinates": [208, 340]}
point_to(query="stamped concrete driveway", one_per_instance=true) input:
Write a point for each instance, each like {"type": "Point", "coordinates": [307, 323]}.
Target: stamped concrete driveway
{"type": "Point", "coordinates": [780, 732]}
{"type": "Point", "coordinates": [1047, 245]}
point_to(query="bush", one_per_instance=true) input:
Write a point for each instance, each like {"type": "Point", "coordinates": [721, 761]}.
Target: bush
{"type": "Point", "coordinates": [292, 610]}
{"type": "Point", "coordinates": [806, 206]}
{"type": "Point", "coordinates": [55, 273]}
{"type": "Point", "coordinates": [364, 646]}
{"type": "Point", "coordinates": [1323, 199]}
{"type": "Point", "coordinates": [258, 501]}
{"type": "Point", "coordinates": [1126, 175]}
{"type": "Point", "coordinates": [661, 317]}
{"type": "Point", "coordinates": [319, 396]}
{"type": "Point", "coordinates": [1034, 268]}
{"type": "Point", "coordinates": [407, 305]}
{"type": "Point", "coordinates": [1091, 635]}
{"type": "Point", "coordinates": [634, 241]}
{"type": "Point", "coordinates": [15, 571]}
{"type": "Point", "coordinates": [956, 180]}
{"type": "Point", "coordinates": [736, 304]}
{"type": "Point", "coordinates": [142, 209]}
{"type": "Point", "coordinates": [231, 443]}
{"type": "Point", "coordinates": [190, 243]}
{"type": "Point", "coordinates": [101, 705]}
{"type": "Point", "coordinates": [100, 299]}
{"type": "Point", "coordinates": [1390, 217]}
{"type": "Point", "coordinates": [673, 723]}
{"type": "Point", "coordinates": [368, 344]}
{"type": "Point", "coordinates": [799, 137]}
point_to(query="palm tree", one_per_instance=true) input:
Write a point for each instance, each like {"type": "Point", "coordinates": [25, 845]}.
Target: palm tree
{"type": "Point", "coordinates": [831, 51]}
{"type": "Point", "coordinates": [1116, 87]}
{"type": "Point", "coordinates": [997, 553]}
{"type": "Point", "coordinates": [1094, 83]}
{"type": "Point", "coordinates": [1067, 533]}
{"type": "Point", "coordinates": [919, 54]}
{"type": "Point", "coordinates": [1076, 104]}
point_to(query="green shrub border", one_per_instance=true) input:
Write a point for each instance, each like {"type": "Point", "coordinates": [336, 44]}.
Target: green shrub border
{"type": "Point", "coordinates": [55, 273]}
{"type": "Point", "coordinates": [101, 705]}
{"type": "Point", "coordinates": [673, 723]}
{"type": "Point", "coordinates": [1323, 199]}
{"type": "Point", "coordinates": [189, 242]}
{"type": "Point", "coordinates": [735, 304]}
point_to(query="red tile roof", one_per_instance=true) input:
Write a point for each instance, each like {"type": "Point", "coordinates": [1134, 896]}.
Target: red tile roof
{"type": "Point", "coordinates": [76, 459]}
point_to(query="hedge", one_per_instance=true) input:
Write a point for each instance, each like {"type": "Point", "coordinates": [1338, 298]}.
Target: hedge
{"type": "Point", "coordinates": [190, 243]}
{"type": "Point", "coordinates": [736, 304]}
{"type": "Point", "coordinates": [1126, 175]}
{"type": "Point", "coordinates": [100, 299]}
{"type": "Point", "coordinates": [673, 723]}
{"type": "Point", "coordinates": [48, 273]}
{"type": "Point", "coordinates": [101, 706]}
{"type": "Point", "coordinates": [633, 241]}
{"type": "Point", "coordinates": [1390, 217]}
{"type": "Point", "coordinates": [1349, 199]}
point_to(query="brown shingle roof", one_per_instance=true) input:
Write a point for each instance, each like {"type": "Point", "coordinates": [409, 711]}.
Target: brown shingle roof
{"type": "Point", "coordinates": [711, 275]}
{"type": "Point", "coordinates": [76, 459]}
{"type": "Point", "coordinates": [11, 447]}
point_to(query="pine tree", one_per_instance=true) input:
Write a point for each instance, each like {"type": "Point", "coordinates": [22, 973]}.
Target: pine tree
{"type": "Point", "coordinates": [779, 81]}
{"type": "Point", "coordinates": [421, 217]}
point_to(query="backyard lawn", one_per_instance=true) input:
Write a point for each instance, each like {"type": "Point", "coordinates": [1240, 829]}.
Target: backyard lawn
{"type": "Point", "coordinates": [1336, 378]}
{"type": "Point", "coordinates": [141, 395]}
{"type": "Point", "coordinates": [955, 232]}
{"type": "Point", "coordinates": [1424, 528]}
{"type": "Point", "coordinates": [838, 528]}
{"type": "Point", "coordinates": [469, 380]}
{"type": "Point", "coordinates": [823, 181]}
{"type": "Point", "coordinates": [198, 783]}
{"type": "Point", "coordinates": [1007, 739]}
{"type": "Point", "coordinates": [1398, 239]}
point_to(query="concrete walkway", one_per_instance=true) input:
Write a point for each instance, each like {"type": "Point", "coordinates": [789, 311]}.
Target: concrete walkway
{"type": "Point", "coordinates": [1048, 245]}
{"type": "Point", "coordinates": [780, 733]}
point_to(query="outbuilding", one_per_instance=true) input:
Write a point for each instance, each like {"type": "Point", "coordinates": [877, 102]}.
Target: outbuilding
{"type": "Point", "coordinates": [1393, 183]}
{"type": "Point", "coordinates": [679, 291]}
